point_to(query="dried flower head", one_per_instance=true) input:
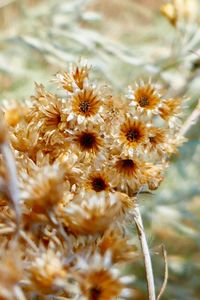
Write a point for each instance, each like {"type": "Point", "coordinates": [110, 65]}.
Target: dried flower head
{"type": "Point", "coordinates": [98, 182]}
{"type": "Point", "coordinates": [47, 272]}
{"type": "Point", "coordinates": [75, 78]}
{"type": "Point", "coordinates": [128, 174]}
{"type": "Point", "coordinates": [122, 247]}
{"type": "Point", "coordinates": [133, 133]}
{"type": "Point", "coordinates": [158, 142]}
{"type": "Point", "coordinates": [88, 141]}
{"type": "Point", "coordinates": [14, 112]}
{"type": "Point", "coordinates": [98, 280]}
{"type": "Point", "coordinates": [86, 103]}
{"type": "Point", "coordinates": [81, 162]}
{"type": "Point", "coordinates": [170, 108]}
{"type": "Point", "coordinates": [145, 98]}
{"type": "Point", "coordinates": [43, 190]}
{"type": "Point", "coordinates": [92, 215]}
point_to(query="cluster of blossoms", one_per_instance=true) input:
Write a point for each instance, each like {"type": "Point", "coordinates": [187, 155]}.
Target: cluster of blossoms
{"type": "Point", "coordinates": [81, 159]}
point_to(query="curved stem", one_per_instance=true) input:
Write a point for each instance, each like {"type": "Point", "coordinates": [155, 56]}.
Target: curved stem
{"type": "Point", "coordinates": [146, 254]}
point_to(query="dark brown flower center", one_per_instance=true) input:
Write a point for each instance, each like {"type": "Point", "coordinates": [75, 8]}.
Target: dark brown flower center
{"type": "Point", "coordinates": [133, 135]}
{"type": "Point", "coordinates": [87, 140]}
{"type": "Point", "coordinates": [127, 167]}
{"type": "Point", "coordinates": [144, 101]}
{"type": "Point", "coordinates": [84, 106]}
{"type": "Point", "coordinates": [95, 293]}
{"type": "Point", "coordinates": [58, 118]}
{"type": "Point", "coordinates": [98, 184]}
{"type": "Point", "coordinates": [152, 139]}
{"type": "Point", "coordinates": [127, 163]}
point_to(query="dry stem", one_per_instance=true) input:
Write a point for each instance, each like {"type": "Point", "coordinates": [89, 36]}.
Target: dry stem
{"type": "Point", "coordinates": [146, 254]}
{"type": "Point", "coordinates": [166, 273]}
{"type": "Point", "coordinates": [192, 119]}
{"type": "Point", "coordinates": [12, 186]}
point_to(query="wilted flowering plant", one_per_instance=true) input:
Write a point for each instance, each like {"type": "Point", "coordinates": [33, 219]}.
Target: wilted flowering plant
{"type": "Point", "coordinates": [81, 160]}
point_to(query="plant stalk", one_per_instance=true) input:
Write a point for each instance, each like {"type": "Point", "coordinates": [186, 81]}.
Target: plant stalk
{"type": "Point", "coordinates": [146, 254]}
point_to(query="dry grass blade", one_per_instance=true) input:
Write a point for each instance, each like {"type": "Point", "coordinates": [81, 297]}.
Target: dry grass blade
{"type": "Point", "coordinates": [166, 273]}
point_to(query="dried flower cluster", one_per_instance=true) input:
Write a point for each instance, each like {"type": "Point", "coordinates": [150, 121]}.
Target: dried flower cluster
{"type": "Point", "coordinates": [81, 160]}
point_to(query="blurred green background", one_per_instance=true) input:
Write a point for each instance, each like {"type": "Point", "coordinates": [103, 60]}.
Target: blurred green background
{"type": "Point", "coordinates": [123, 41]}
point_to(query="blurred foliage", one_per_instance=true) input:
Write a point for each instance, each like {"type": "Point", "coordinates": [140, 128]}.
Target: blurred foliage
{"type": "Point", "coordinates": [124, 41]}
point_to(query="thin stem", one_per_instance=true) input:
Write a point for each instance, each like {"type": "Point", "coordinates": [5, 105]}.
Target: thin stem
{"type": "Point", "coordinates": [166, 273]}
{"type": "Point", "coordinates": [12, 186]}
{"type": "Point", "coordinates": [146, 254]}
{"type": "Point", "coordinates": [11, 182]}
{"type": "Point", "coordinates": [192, 119]}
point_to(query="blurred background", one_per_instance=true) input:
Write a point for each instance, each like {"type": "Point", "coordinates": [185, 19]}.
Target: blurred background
{"type": "Point", "coordinates": [123, 41]}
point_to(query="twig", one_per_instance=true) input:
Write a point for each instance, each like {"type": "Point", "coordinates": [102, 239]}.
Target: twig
{"type": "Point", "coordinates": [146, 254]}
{"type": "Point", "coordinates": [166, 273]}
{"type": "Point", "coordinates": [192, 119]}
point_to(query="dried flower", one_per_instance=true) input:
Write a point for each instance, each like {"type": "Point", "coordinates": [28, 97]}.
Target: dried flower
{"type": "Point", "coordinates": [170, 108]}
{"type": "Point", "coordinates": [133, 133]}
{"type": "Point", "coordinates": [47, 272]}
{"type": "Point", "coordinates": [130, 174]}
{"type": "Point", "coordinates": [145, 98]}
{"type": "Point", "coordinates": [92, 215]}
{"type": "Point", "coordinates": [122, 248]}
{"type": "Point", "coordinates": [14, 112]}
{"type": "Point", "coordinates": [88, 141]}
{"type": "Point", "coordinates": [43, 190]}
{"type": "Point", "coordinates": [75, 78]}
{"type": "Point", "coordinates": [81, 160]}
{"type": "Point", "coordinates": [158, 141]}
{"type": "Point", "coordinates": [98, 182]}
{"type": "Point", "coordinates": [85, 104]}
{"type": "Point", "coordinates": [98, 280]}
